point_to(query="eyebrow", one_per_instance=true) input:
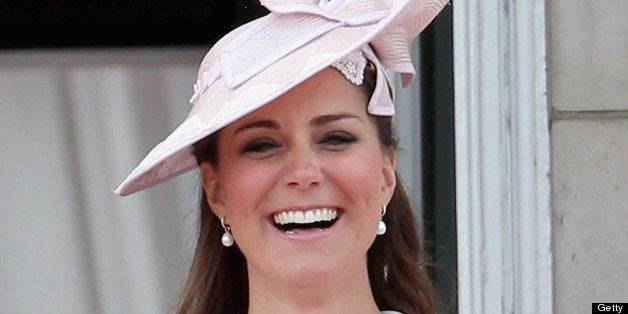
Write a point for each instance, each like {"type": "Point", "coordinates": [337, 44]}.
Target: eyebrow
{"type": "Point", "coordinates": [316, 121]}
{"type": "Point", "coordinates": [270, 124]}
{"type": "Point", "coordinates": [321, 120]}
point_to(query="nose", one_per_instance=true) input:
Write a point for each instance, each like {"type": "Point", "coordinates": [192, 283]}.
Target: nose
{"type": "Point", "coordinates": [304, 169]}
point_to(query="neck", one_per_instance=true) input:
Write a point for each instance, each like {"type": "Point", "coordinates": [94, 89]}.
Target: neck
{"type": "Point", "coordinates": [346, 291]}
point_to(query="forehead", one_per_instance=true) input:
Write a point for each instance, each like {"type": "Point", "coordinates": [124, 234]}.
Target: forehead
{"type": "Point", "coordinates": [328, 92]}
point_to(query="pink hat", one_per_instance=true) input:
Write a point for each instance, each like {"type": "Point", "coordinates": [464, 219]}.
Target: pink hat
{"type": "Point", "coordinates": [261, 60]}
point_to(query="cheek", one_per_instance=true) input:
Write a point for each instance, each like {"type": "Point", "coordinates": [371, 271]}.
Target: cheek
{"type": "Point", "coordinates": [358, 175]}
{"type": "Point", "coordinates": [245, 184]}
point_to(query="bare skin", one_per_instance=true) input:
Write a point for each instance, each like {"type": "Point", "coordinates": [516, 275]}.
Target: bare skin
{"type": "Point", "coordinates": [316, 150]}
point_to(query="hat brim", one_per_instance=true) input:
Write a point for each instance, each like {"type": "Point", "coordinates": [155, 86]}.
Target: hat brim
{"type": "Point", "coordinates": [221, 105]}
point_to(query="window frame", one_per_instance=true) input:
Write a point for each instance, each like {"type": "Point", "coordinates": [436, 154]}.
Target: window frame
{"type": "Point", "coordinates": [503, 190]}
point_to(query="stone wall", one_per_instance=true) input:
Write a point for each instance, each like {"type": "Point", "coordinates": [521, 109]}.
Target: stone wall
{"type": "Point", "coordinates": [588, 86]}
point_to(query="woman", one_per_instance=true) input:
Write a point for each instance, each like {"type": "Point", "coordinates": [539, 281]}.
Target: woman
{"type": "Point", "coordinates": [291, 126]}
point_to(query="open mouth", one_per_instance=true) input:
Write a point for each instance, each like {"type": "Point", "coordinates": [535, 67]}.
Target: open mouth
{"type": "Point", "coordinates": [310, 220]}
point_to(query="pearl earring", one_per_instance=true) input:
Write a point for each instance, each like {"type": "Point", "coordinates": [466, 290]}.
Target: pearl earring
{"type": "Point", "coordinates": [381, 227]}
{"type": "Point", "coordinates": [227, 238]}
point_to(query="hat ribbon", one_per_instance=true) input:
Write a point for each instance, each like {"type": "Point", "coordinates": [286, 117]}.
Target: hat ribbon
{"type": "Point", "coordinates": [355, 13]}
{"type": "Point", "coordinates": [275, 36]}
{"type": "Point", "coordinates": [273, 40]}
{"type": "Point", "coordinates": [257, 48]}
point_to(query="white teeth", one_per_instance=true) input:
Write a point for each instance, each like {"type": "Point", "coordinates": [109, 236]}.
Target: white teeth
{"type": "Point", "coordinates": [310, 216]}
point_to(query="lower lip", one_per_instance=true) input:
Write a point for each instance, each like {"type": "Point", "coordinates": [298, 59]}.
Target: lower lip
{"type": "Point", "coordinates": [307, 234]}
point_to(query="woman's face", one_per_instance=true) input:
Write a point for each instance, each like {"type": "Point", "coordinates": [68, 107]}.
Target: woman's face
{"type": "Point", "coordinates": [302, 182]}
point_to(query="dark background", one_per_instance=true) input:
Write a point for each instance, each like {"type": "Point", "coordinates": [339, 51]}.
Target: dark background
{"type": "Point", "coordinates": [116, 23]}
{"type": "Point", "coordinates": [438, 147]}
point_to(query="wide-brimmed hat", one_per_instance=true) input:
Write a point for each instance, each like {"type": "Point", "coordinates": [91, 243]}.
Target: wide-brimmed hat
{"type": "Point", "coordinates": [256, 63]}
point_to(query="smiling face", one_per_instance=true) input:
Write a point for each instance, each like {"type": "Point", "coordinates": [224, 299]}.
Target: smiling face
{"type": "Point", "coordinates": [302, 182]}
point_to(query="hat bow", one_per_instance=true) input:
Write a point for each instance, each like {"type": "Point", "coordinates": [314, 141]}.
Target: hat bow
{"type": "Point", "coordinates": [268, 41]}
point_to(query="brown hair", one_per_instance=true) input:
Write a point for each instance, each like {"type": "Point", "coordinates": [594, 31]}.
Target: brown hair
{"type": "Point", "coordinates": [218, 281]}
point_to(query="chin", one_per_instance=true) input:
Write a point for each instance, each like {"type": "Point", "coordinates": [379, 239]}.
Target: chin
{"type": "Point", "coordinates": [310, 270]}
{"type": "Point", "coordinates": [309, 275]}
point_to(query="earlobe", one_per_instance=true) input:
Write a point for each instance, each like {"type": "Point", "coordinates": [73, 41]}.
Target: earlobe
{"type": "Point", "coordinates": [389, 177]}
{"type": "Point", "coordinates": [212, 189]}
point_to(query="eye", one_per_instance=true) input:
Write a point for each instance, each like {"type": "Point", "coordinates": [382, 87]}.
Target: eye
{"type": "Point", "coordinates": [338, 139]}
{"type": "Point", "coordinates": [260, 146]}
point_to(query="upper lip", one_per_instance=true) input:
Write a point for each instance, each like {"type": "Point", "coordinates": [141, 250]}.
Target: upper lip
{"type": "Point", "coordinates": [304, 209]}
